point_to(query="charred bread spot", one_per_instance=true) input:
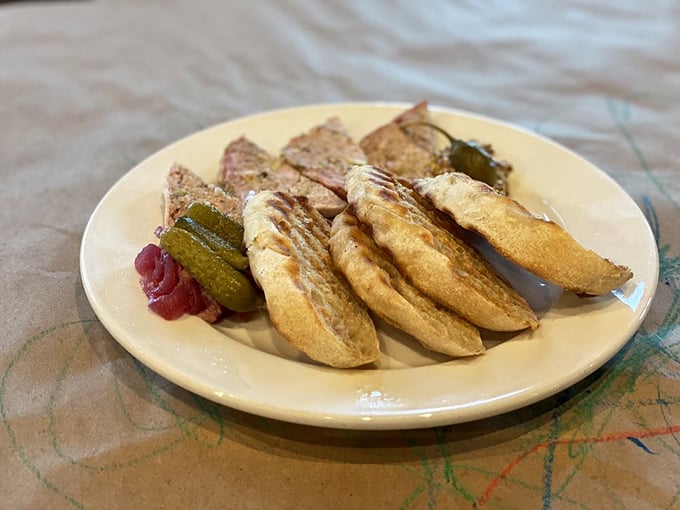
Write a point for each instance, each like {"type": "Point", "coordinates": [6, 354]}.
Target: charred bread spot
{"type": "Point", "coordinates": [389, 195]}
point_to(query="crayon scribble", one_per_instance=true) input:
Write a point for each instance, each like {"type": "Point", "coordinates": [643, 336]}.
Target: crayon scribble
{"type": "Point", "coordinates": [559, 438]}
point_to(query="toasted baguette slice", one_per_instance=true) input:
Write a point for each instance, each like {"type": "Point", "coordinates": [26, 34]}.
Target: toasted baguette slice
{"type": "Point", "coordinates": [441, 264]}
{"type": "Point", "coordinates": [534, 243]}
{"type": "Point", "coordinates": [183, 187]}
{"type": "Point", "coordinates": [309, 301]}
{"type": "Point", "coordinates": [380, 285]}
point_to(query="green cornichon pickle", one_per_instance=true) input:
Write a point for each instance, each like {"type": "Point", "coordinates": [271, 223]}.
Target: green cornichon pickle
{"type": "Point", "coordinates": [216, 243]}
{"type": "Point", "coordinates": [219, 223]}
{"type": "Point", "coordinates": [224, 283]}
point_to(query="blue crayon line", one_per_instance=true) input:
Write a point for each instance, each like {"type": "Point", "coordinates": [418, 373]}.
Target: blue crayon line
{"type": "Point", "coordinates": [640, 444]}
{"type": "Point", "coordinates": [548, 461]}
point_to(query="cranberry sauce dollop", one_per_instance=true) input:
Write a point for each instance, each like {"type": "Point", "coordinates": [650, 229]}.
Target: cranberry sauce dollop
{"type": "Point", "coordinates": [170, 290]}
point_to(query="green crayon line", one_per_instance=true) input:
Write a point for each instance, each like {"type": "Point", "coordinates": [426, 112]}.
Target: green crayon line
{"type": "Point", "coordinates": [619, 115]}
{"type": "Point", "coordinates": [18, 448]}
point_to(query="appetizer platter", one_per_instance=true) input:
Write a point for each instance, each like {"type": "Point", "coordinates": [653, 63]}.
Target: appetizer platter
{"type": "Point", "coordinates": [383, 266]}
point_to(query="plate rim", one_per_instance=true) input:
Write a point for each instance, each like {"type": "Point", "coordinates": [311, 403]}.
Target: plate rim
{"type": "Point", "coordinates": [406, 419]}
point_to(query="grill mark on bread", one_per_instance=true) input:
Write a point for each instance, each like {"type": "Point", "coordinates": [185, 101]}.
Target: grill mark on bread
{"type": "Point", "coordinates": [391, 196]}
{"type": "Point", "coordinates": [291, 211]}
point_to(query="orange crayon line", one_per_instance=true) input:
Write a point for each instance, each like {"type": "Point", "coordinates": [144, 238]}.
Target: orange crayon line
{"type": "Point", "coordinates": [616, 436]}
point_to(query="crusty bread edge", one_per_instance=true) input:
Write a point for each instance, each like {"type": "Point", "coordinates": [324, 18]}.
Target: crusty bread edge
{"type": "Point", "coordinates": [539, 245]}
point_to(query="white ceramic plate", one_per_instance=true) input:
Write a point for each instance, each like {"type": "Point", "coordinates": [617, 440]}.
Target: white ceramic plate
{"type": "Point", "coordinates": [249, 367]}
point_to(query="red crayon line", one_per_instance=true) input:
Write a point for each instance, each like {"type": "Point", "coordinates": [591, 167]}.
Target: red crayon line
{"type": "Point", "coordinates": [616, 436]}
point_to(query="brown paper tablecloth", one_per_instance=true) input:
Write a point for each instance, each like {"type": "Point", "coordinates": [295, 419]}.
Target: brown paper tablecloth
{"type": "Point", "coordinates": [89, 89]}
